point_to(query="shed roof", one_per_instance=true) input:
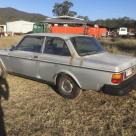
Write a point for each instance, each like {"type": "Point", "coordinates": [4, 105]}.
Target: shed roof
{"type": "Point", "coordinates": [64, 21]}
{"type": "Point", "coordinates": [21, 21]}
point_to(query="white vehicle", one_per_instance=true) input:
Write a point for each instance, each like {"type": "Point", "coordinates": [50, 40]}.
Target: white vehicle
{"type": "Point", "coordinates": [123, 31]}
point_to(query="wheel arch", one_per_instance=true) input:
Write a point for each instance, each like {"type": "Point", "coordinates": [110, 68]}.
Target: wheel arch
{"type": "Point", "coordinates": [58, 74]}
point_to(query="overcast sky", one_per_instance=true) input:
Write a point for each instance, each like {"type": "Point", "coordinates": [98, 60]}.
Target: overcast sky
{"type": "Point", "coordinates": [94, 9]}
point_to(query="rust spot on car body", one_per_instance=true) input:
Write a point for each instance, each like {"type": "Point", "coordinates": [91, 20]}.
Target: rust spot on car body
{"type": "Point", "coordinates": [81, 62]}
{"type": "Point", "coordinates": [72, 58]}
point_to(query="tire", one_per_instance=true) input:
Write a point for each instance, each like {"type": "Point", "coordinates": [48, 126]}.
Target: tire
{"type": "Point", "coordinates": [67, 87]}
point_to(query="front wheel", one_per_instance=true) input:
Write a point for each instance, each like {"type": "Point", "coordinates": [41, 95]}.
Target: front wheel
{"type": "Point", "coordinates": [67, 87]}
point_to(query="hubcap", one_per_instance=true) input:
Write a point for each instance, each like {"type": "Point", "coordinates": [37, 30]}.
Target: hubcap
{"type": "Point", "coordinates": [67, 86]}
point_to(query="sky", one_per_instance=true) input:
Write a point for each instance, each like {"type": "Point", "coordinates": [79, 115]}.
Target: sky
{"type": "Point", "coordinates": [94, 9]}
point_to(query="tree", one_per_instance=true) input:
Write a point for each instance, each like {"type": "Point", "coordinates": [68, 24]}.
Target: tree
{"type": "Point", "coordinates": [63, 9]}
{"type": "Point", "coordinates": [117, 22]}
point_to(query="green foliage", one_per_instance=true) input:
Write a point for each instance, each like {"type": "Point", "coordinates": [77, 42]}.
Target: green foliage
{"type": "Point", "coordinates": [61, 9]}
{"type": "Point", "coordinates": [116, 23]}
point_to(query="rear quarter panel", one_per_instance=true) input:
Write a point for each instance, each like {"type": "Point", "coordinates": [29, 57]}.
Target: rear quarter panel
{"type": "Point", "coordinates": [91, 78]}
{"type": "Point", "coordinates": [86, 78]}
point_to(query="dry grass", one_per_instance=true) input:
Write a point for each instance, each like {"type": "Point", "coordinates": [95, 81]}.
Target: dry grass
{"type": "Point", "coordinates": [6, 42]}
{"type": "Point", "coordinates": [35, 109]}
{"type": "Point", "coordinates": [120, 46]}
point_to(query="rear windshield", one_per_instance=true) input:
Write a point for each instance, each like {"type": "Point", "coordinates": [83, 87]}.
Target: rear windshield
{"type": "Point", "coordinates": [86, 45]}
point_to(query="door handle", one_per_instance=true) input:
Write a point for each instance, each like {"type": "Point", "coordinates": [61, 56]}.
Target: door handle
{"type": "Point", "coordinates": [35, 57]}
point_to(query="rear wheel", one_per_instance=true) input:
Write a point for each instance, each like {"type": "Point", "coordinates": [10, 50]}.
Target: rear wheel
{"type": "Point", "coordinates": [67, 87]}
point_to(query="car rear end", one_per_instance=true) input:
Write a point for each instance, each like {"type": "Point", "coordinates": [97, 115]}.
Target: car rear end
{"type": "Point", "coordinates": [122, 82]}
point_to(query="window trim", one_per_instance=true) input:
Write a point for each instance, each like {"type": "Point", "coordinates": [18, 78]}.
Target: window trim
{"type": "Point", "coordinates": [53, 39]}
{"type": "Point", "coordinates": [77, 51]}
{"type": "Point", "coordinates": [31, 36]}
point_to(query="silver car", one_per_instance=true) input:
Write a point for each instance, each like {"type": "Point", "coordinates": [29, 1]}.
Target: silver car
{"type": "Point", "coordinates": [72, 63]}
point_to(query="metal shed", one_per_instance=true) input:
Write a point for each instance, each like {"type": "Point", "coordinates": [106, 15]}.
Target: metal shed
{"type": "Point", "coordinates": [19, 26]}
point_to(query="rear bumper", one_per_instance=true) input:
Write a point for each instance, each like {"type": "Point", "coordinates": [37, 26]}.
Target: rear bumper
{"type": "Point", "coordinates": [121, 89]}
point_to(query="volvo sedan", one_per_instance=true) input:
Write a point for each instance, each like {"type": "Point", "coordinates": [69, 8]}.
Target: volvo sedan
{"type": "Point", "coordinates": [72, 63]}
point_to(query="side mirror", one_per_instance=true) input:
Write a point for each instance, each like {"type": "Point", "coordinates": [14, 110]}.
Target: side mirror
{"type": "Point", "coordinates": [13, 47]}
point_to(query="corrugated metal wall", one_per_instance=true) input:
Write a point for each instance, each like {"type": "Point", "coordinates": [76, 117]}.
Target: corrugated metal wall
{"type": "Point", "coordinates": [93, 31]}
{"type": "Point", "coordinates": [67, 30]}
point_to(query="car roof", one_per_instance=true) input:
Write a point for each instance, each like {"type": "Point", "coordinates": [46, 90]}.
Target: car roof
{"type": "Point", "coordinates": [64, 36]}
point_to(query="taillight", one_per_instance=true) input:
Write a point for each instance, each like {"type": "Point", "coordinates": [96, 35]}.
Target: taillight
{"type": "Point", "coordinates": [117, 78]}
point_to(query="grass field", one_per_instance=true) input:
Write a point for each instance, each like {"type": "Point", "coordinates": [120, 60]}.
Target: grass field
{"type": "Point", "coordinates": [35, 109]}
{"type": "Point", "coordinates": [120, 46]}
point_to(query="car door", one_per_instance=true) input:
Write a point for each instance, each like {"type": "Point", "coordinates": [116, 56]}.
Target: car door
{"type": "Point", "coordinates": [23, 59]}
{"type": "Point", "coordinates": [55, 57]}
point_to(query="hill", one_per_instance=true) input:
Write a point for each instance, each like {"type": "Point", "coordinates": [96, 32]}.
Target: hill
{"type": "Point", "coordinates": [11, 14]}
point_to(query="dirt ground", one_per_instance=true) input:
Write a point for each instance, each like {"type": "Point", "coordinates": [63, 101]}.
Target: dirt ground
{"type": "Point", "coordinates": [35, 109]}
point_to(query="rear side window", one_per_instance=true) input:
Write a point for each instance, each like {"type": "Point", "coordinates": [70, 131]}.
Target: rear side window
{"type": "Point", "coordinates": [56, 46]}
{"type": "Point", "coordinates": [31, 44]}
{"type": "Point", "coordinates": [86, 45]}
